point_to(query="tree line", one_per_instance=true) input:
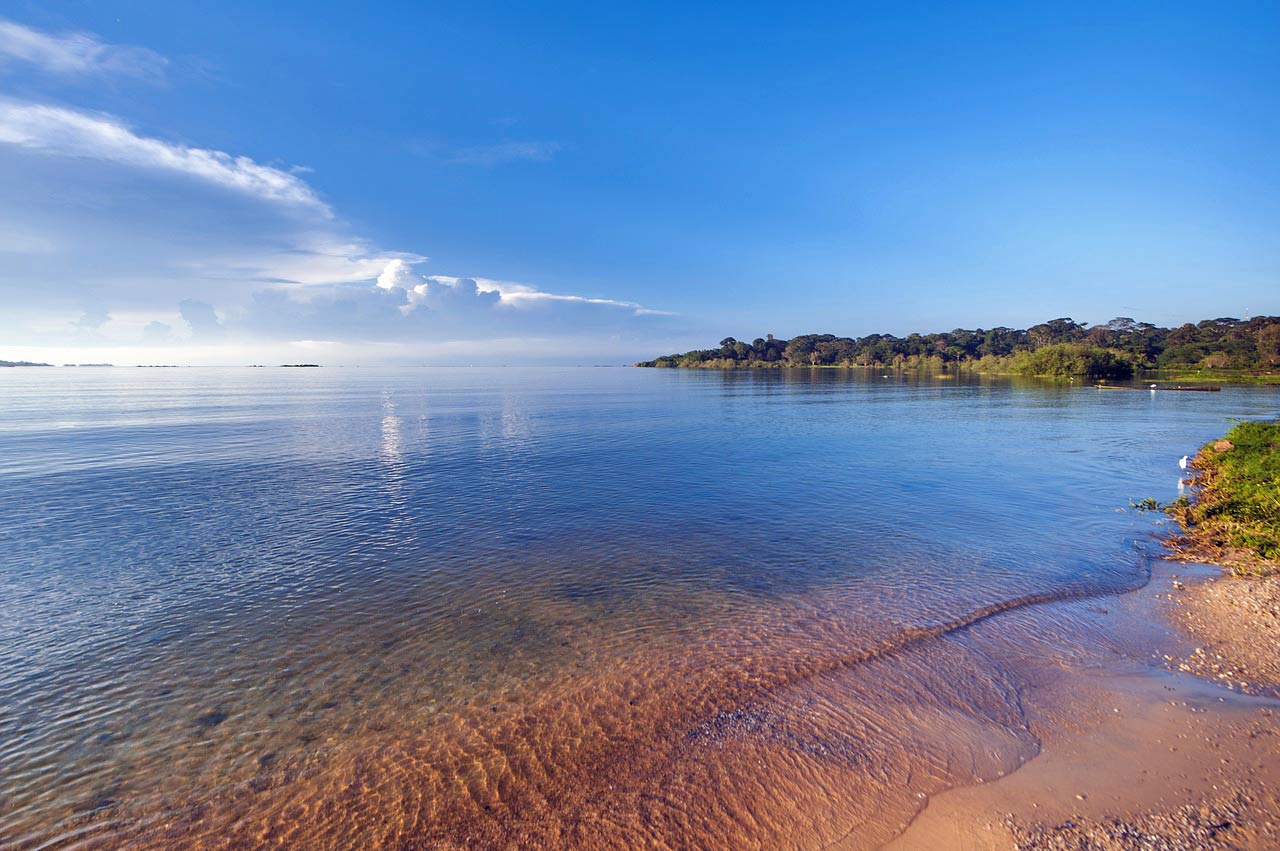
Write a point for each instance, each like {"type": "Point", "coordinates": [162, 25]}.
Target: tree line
{"type": "Point", "coordinates": [1057, 347]}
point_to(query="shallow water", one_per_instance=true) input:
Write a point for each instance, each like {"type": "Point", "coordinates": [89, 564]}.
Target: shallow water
{"type": "Point", "coordinates": [595, 607]}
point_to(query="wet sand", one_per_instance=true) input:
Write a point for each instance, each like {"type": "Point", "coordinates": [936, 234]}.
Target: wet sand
{"type": "Point", "coordinates": [1182, 758]}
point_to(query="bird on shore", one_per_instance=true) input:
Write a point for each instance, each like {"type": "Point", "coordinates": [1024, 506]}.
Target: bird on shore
{"type": "Point", "coordinates": [1182, 462]}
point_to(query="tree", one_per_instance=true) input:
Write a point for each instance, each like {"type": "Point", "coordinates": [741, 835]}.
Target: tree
{"type": "Point", "coordinates": [1222, 343]}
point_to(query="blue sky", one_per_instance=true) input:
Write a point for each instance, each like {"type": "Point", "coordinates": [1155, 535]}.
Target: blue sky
{"type": "Point", "coordinates": [591, 183]}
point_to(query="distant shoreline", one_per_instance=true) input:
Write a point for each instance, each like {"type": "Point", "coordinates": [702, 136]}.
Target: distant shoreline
{"type": "Point", "coordinates": [1060, 348]}
{"type": "Point", "coordinates": [1266, 378]}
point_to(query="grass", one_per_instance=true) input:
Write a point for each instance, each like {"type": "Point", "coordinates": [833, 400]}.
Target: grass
{"type": "Point", "coordinates": [1234, 517]}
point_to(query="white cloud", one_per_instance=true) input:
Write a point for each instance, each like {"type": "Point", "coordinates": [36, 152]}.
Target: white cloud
{"type": "Point", "coordinates": [75, 53]}
{"type": "Point", "coordinates": [397, 273]}
{"type": "Point", "coordinates": [513, 294]}
{"type": "Point", "coordinates": [426, 289]}
{"type": "Point", "coordinates": [518, 295]}
{"type": "Point", "coordinates": [313, 258]}
{"type": "Point", "coordinates": [124, 228]}
{"type": "Point", "coordinates": [57, 131]}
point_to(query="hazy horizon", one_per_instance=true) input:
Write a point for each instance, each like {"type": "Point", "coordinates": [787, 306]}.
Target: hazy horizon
{"type": "Point", "coordinates": [461, 355]}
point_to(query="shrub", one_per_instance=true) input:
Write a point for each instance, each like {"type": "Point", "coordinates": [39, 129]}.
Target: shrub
{"type": "Point", "coordinates": [1071, 359]}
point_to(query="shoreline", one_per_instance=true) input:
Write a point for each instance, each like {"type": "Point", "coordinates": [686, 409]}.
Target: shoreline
{"type": "Point", "coordinates": [1230, 521]}
{"type": "Point", "coordinates": [1128, 742]}
{"type": "Point", "coordinates": [1170, 757]}
{"type": "Point", "coordinates": [1189, 757]}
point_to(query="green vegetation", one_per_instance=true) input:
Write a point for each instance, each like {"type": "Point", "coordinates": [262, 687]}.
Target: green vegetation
{"type": "Point", "coordinates": [1215, 348]}
{"type": "Point", "coordinates": [1234, 518]}
{"type": "Point", "coordinates": [22, 363]}
{"type": "Point", "coordinates": [1072, 359]}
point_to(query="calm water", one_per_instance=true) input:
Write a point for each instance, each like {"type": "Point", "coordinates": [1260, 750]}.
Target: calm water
{"type": "Point", "coordinates": [602, 607]}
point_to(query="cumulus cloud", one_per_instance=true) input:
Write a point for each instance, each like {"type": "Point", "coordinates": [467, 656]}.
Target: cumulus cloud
{"type": "Point", "coordinates": [438, 291]}
{"type": "Point", "coordinates": [455, 294]}
{"type": "Point", "coordinates": [397, 274]}
{"type": "Point", "coordinates": [75, 53]}
{"type": "Point", "coordinates": [432, 293]}
{"type": "Point", "coordinates": [58, 131]}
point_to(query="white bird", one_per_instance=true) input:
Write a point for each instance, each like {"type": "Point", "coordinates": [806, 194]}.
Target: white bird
{"type": "Point", "coordinates": [1182, 462]}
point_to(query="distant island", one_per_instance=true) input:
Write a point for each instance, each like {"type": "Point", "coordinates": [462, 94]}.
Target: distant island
{"type": "Point", "coordinates": [300, 365]}
{"type": "Point", "coordinates": [1059, 347]}
{"type": "Point", "coordinates": [22, 363]}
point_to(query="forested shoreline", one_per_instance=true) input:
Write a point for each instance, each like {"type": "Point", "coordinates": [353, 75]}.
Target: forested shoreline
{"type": "Point", "coordinates": [1115, 349]}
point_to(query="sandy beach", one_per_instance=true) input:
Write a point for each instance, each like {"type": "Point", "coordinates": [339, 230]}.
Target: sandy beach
{"type": "Point", "coordinates": [1186, 756]}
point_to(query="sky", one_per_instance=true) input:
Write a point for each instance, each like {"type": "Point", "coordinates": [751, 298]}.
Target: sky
{"type": "Point", "coordinates": [440, 183]}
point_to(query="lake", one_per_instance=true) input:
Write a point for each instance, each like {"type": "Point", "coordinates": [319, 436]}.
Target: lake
{"type": "Point", "coordinates": [596, 607]}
